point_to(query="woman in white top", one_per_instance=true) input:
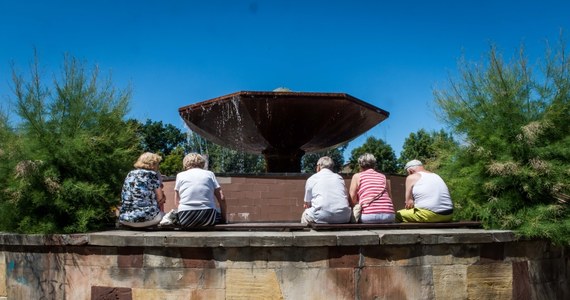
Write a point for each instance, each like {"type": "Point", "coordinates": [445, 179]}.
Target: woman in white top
{"type": "Point", "coordinates": [196, 191]}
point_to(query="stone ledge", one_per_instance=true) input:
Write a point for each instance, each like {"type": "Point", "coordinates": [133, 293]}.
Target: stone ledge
{"type": "Point", "coordinates": [125, 238]}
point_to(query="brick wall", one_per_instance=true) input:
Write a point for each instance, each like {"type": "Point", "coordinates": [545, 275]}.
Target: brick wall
{"type": "Point", "coordinates": [271, 198]}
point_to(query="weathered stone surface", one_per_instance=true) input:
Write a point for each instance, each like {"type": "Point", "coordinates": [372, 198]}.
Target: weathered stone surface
{"type": "Point", "coordinates": [252, 284]}
{"type": "Point", "coordinates": [197, 257]}
{"type": "Point", "coordinates": [78, 282]}
{"type": "Point", "coordinates": [323, 283]}
{"type": "Point", "coordinates": [162, 258]}
{"type": "Point", "coordinates": [314, 239]}
{"type": "Point", "coordinates": [165, 278]}
{"type": "Point", "coordinates": [241, 258]}
{"type": "Point", "coordinates": [391, 256]}
{"type": "Point", "coordinates": [91, 256]}
{"type": "Point", "coordinates": [270, 239]}
{"type": "Point", "coordinates": [344, 257]}
{"type": "Point", "coordinates": [3, 271]}
{"type": "Point", "coordinates": [104, 292]}
{"type": "Point", "coordinates": [521, 281]}
{"type": "Point", "coordinates": [297, 257]}
{"type": "Point", "coordinates": [546, 278]}
{"type": "Point", "coordinates": [350, 238]}
{"type": "Point", "coordinates": [492, 253]}
{"type": "Point", "coordinates": [130, 257]}
{"type": "Point", "coordinates": [397, 282]}
{"type": "Point", "coordinates": [158, 269]}
{"type": "Point", "coordinates": [449, 281]}
{"type": "Point", "coordinates": [35, 275]}
{"type": "Point", "coordinates": [151, 294]}
{"type": "Point", "coordinates": [490, 281]}
{"type": "Point", "coordinates": [207, 239]}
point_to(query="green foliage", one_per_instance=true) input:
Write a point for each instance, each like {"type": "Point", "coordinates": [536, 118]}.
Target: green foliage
{"type": "Point", "coordinates": [63, 166]}
{"type": "Point", "coordinates": [157, 137]}
{"type": "Point", "coordinates": [513, 171]}
{"type": "Point", "coordinates": [309, 160]}
{"type": "Point", "coordinates": [385, 158]}
{"type": "Point", "coordinates": [224, 160]}
{"type": "Point", "coordinates": [172, 163]}
{"type": "Point", "coordinates": [432, 148]}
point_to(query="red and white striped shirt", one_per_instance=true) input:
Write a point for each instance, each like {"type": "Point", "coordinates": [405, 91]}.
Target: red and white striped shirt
{"type": "Point", "coordinates": [371, 185]}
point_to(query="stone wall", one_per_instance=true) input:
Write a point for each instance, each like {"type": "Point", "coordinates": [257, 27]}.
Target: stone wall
{"type": "Point", "coordinates": [383, 264]}
{"type": "Point", "coordinates": [270, 197]}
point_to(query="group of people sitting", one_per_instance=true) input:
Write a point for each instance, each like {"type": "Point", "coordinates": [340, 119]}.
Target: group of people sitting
{"type": "Point", "coordinates": [195, 194]}
{"type": "Point", "coordinates": [427, 197]}
{"type": "Point", "coordinates": [200, 201]}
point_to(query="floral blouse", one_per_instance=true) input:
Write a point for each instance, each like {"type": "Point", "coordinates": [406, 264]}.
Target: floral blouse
{"type": "Point", "coordinates": [138, 196]}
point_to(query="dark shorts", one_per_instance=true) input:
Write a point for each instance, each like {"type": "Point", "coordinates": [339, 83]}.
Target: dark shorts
{"type": "Point", "coordinates": [198, 218]}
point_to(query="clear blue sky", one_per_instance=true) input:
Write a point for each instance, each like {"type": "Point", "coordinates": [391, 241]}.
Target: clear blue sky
{"type": "Point", "coordinates": [173, 53]}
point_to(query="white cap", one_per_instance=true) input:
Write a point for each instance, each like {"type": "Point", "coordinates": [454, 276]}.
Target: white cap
{"type": "Point", "coordinates": [413, 163]}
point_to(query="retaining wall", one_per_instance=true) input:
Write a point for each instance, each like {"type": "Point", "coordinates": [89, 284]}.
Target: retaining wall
{"type": "Point", "coordinates": [381, 264]}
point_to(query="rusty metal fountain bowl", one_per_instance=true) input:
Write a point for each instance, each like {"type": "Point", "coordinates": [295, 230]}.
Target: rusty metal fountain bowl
{"type": "Point", "coordinates": [282, 125]}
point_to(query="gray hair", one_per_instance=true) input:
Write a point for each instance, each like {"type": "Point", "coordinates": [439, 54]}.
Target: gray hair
{"type": "Point", "coordinates": [413, 163]}
{"type": "Point", "coordinates": [326, 162]}
{"type": "Point", "coordinates": [367, 161]}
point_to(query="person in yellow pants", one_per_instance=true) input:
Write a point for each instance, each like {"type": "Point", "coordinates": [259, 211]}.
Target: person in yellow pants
{"type": "Point", "coordinates": [427, 196]}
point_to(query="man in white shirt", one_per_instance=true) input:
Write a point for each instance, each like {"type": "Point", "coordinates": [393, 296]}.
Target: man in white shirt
{"type": "Point", "coordinates": [326, 199]}
{"type": "Point", "coordinates": [427, 196]}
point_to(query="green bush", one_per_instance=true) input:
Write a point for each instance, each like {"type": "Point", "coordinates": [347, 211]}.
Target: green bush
{"type": "Point", "coordinates": [513, 168]}
{"type": "Point", "coordinates": [63, 165]}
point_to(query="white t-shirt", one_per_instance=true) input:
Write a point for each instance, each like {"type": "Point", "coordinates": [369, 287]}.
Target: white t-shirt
{"type": "Point", "coordinates": [326, 192]}
{"type": "Point", "coordinates": [196, 189]}
{"type": "Point", "coordinates": [431, 192]}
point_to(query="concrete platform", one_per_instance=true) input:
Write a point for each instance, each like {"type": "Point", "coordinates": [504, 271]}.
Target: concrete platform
{"type": "Point", "coordinates": [309, 238]}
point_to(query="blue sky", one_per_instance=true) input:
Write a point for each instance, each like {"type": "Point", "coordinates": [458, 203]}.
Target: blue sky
{"type": "Point", "coordinates": [391, 54]}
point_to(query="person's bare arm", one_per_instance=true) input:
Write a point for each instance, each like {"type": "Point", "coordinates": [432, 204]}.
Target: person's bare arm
{"type": "Point", "coordinates": [160, 197]}
{"type": "Point", "coordinates": [176, 199]}
{"type": "Point", "coordinates": [353, 191]}
{"type": "Point", "coordinates": [222, 201]}
{"type": "Point", "coordinates": [410, 181]}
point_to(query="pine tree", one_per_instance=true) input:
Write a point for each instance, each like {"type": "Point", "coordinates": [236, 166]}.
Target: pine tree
{"type": "Point", "coordinates": [67, 159]}
{"type": "Point", "coordinates": [514, 170]}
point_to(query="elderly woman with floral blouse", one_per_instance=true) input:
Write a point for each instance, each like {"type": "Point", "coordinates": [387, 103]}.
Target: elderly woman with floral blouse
{"type": "Point", "coordinates": [142, 193]}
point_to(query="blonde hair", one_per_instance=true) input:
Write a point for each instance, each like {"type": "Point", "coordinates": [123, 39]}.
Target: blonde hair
{"type": "Point", "coordinates": [148, 160]}
{"type": "Point", "coordinates": [193, 160]}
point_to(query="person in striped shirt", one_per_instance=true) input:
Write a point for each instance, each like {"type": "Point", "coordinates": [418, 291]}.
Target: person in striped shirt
{"type": "Point", "coordinates": [372, 190]}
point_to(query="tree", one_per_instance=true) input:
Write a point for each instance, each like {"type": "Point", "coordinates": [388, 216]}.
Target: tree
{"type": "Point", "coordinates": [172, 163]}
{"type": "Point", "coordinates": [513, 171]}
{"type": "Point", "coordinates": [224, 160]}
{"type": "Point", "coordinates": [309, 160]}
{"type": "Point", "coordinates": [431, 148]}
{"type": "Point", "coordinates": [385, 158]}
{"type": "Point", "coordinates": [157, 137]}
{"type": "Point", "coordinates": [64, 164]}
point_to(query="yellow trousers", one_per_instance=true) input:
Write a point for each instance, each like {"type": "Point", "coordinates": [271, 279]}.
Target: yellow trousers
{"type": "Point", "coordinates": [420, 215]}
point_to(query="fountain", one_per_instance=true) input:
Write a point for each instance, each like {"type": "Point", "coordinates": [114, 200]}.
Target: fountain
{"type": "Point", "coordinates": [282, 125]}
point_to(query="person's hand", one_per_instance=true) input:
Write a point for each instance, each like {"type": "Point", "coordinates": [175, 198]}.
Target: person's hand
{"type": "Point", "coordinates": [306, 205]}
{"type": "Point", "coordinates": [409, 204]}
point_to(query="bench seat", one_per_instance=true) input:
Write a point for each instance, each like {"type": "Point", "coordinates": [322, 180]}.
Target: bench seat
{"type": "Point", "coordinates": [295, 226]}
{"type": "Point", "coordinates": [460, 224]}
